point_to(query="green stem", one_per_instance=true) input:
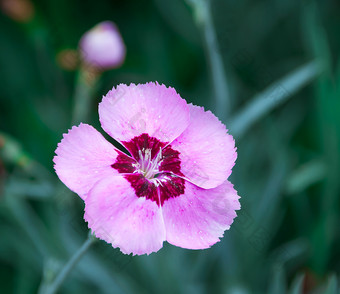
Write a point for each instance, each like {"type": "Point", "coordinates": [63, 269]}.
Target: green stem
{"type": "Point", "coordinates": [202, 9]}
{"type": "Point", "coordinates": [53, 288]}
{"type": "Point", "coordinates": [86, 82]}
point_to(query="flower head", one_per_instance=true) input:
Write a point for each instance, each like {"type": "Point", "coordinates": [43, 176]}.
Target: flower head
{"type": "Point", "coordinates": [172, 186]}
{"type": "Point", "coordinates": [102, 47]}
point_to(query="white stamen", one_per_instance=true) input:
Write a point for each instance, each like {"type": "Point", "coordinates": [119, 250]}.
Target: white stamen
{"type": "Point", "coordinates": [147, 166]}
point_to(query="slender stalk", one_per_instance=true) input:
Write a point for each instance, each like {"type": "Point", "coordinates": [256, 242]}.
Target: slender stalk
{"type": "Point", "coordinates": [202, 9]}
{"type": "Point", "coordinates": [86, 82]}
{"type": "Point", "coordinates": [54, 286]}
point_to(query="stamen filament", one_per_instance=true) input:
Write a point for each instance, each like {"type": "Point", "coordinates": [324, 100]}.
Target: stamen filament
{"type": "Point", "coordinates": [149, 166]}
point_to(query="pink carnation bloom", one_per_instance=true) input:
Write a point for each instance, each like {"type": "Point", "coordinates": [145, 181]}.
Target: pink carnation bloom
{"type": "Point", "coordinates": [102, 46]}
{"type": "Point", "coordinates": [171, 187]}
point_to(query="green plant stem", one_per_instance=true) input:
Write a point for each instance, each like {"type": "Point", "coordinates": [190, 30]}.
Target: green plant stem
{"type": "Point", "coordinates": [54, 286]}
{"type": "Point", "coordinates": [85, 85]}
{"type": "Point", "coordinates": [202, 9]}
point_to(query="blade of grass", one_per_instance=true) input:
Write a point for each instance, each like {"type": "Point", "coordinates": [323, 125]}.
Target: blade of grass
{"type": "Point", "coordinates": [30, 222]}
{"type": "Point", "coordinates": [328, 138]}
{"type": "Point", "coordinates": [297, 286]}
{"type": "Point", "coordinates": [332, 287]}
{"type": "Point", "coordinates": [278, 283]}
{"type": "Point", "coordinates": [305, 176]}
{"type": "Point", "coordinates": [272, 97]}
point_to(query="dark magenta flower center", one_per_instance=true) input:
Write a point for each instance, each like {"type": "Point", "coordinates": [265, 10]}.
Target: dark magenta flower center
{"type": "Point", "coordinates": [153, 171]}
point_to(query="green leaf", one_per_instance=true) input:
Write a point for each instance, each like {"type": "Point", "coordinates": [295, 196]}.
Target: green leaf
{"type": "Point", "coordinates": [297, 286]}
{"type": "Point", "coordinates": [278, 282]}
{"type": "Point", "coordinates": [272, 97]}
{"type": "Point", "coordinates": [305, 176]}
{"type": "Point", "coordinates": [332, 287]}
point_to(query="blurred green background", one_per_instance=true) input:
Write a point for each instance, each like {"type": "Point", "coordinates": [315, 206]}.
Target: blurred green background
{"type": "Point", "coordinates": [282, 76]}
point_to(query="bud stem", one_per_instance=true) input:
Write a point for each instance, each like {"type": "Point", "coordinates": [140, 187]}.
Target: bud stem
{"type": "Point", "coordinates": [86, 82]}
{"type": "Point", "coordinates": [60, 278]}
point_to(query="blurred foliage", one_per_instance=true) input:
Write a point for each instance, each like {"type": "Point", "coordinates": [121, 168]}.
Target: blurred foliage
{"type": "Point", "coordinates": [286, 238]}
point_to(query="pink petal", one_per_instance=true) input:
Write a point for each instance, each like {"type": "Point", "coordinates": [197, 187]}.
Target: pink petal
{"type": "Point", "coordinates": [84, 157]}
{"type": "Point", "coordinates": [129, 111]}
{"type": "Point", "coordinates": [115, 214]}
{"type": "Point", "coordinates": [199, 217]}
{"type": "Point", "coordinates": [208, 152]}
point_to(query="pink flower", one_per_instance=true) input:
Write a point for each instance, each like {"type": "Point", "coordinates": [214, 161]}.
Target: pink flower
{"type": "Point", "coordinates": [172, 187]}
{"type": "Point", "coordinates": [102, 47]}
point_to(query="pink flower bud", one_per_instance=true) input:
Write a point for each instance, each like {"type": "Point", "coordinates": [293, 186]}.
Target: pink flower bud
{"type": "Point", "coordinates": [102, 46]}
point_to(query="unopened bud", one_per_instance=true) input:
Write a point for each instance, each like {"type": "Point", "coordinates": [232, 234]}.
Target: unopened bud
{"type": "Point", "coordinates": [102, 47]}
